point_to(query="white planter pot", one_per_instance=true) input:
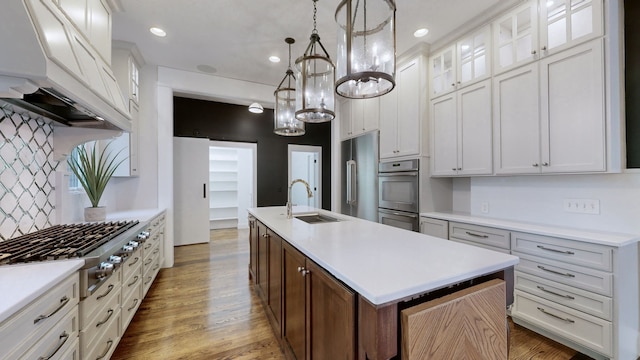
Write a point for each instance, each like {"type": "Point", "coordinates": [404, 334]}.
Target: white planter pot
{"type": "Point", "coordinates": [92, 214]}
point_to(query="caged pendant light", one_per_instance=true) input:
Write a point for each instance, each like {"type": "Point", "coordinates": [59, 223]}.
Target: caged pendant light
{"type": "Point", "coordinates": [315, 81]}
{"type": "Point", "coordinates": [285, 122]}
{"type": "Point", "coordinates": [366, 62]}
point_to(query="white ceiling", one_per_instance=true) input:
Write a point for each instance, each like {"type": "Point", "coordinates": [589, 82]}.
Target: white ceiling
{"type": "Point", "coordinates": [236, 37]}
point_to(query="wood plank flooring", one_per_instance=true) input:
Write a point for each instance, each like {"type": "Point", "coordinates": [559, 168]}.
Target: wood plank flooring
{"type": "Point", "coordinates": [205, 308]}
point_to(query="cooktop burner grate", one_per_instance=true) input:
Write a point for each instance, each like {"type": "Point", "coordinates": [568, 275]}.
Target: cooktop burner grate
{"type": "Point", "coordinates": [61, 241]}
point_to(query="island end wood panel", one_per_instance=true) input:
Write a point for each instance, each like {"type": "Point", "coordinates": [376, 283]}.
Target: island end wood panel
{"type": "Point", "coordinates": [377, 330]}
{"type": "Point", "coordinates": [253, 250]}
{"type": "Point", "coordinates": [331, 316]}
{"type": "Point", "coordinates": [294, 302]}
{"type": "Point", "coordinates": [468, 324]}
{"type": "Point", "coordinates": [275, 280]}
{"type": "Point", "coordinates": [263, 257]}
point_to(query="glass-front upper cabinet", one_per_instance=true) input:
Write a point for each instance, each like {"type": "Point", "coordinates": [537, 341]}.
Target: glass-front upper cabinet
{"type": "Point", "coordinates": [474, 57]}
{"type": "Point", "coordinates": [443, 72]}
{"type": "Point", "coordinates": [515, 37]}
{"type": "Point", "coordinates": [564, 23]}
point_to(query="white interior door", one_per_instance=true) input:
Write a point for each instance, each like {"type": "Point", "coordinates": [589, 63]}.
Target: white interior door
{"type": "Point", "coordinates": [305, 163]}
{"type": "Point", "coordinates": [191, 190]}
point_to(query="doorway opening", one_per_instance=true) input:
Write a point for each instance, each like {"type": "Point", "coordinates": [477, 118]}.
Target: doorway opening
{"type": "Point", "coordinates": [232, 183]}
{"type": "Point", "coordinates": [305, 162]}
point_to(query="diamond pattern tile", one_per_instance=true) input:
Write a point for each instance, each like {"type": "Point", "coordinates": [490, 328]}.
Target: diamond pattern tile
{"type": "Point", "coordinates": [27, 173]}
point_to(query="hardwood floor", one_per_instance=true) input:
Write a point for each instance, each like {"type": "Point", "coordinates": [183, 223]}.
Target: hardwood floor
{"type": "Point", "coordinates": [205, 308]}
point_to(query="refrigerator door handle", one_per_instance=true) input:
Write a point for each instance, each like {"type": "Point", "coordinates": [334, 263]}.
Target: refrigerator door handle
{"type": "Point", "coordinates": [351, 182]}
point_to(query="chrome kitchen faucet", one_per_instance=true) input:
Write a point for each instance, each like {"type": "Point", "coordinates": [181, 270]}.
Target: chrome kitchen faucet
{"type": "Point", "coordinates": [309, 194]}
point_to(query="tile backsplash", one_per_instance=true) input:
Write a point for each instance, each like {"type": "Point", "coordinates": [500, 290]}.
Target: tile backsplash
{"type": "Point", "coordinates": [27, 173]}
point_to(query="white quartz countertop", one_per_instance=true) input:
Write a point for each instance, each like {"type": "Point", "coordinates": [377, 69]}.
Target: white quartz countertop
{"type": "Point", "coordinates": [22, 283]}
{"type": "Point", "coordinates": [590, 236]}
{"type": "Point", "coordinates": [384, 264]}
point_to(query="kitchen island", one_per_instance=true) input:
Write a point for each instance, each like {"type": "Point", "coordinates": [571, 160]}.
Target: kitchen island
{"type": "Point", "coordinates": [385, 270]}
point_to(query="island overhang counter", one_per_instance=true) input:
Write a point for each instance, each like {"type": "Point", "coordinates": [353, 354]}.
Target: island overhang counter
{"type": "Point", "coordinates": [383, 265]}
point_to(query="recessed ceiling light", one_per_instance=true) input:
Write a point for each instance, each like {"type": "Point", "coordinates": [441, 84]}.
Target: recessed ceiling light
{"type": "Point", "coordinates": [158, 32]}
{"type": "Point", "coordinates": [421, 32]}
{"type": "Point", "coordinates": [274, 59]}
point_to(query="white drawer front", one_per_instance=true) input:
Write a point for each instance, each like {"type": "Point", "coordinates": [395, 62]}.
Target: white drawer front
{"type": "Point", "coordinates": [132, 283]}
{"type": "Point", "coordinates": [577, 276]}
{"type": "Point", "coordinates": [591, 303]}
{"type": "Point", "coordinates": [132, 264]}
{"type": "Point", "coordinates": [589, 331]}
{"type": "Point", "coordinates": [91, 306]}
{"type": "Point", "coordinates": [21, 330]}
{"type": "Point", "coordinates": [568, 251]}
{"type": "Point", "coordinates": [488, 247]}
{"type": "Point", "coordinates": [72, 353]}
{"type": "Point", "coordinates": [150, 275]}
{"type": "Point", "coordinates": [479, 234]}
{"type": "Point", "coordinates": [58, 340]}
{"type": "Point", "coordinates": [129, 307]}
{"type": "Point", "coordinates": [98, 324]}
{"type": "Point", "coordinates": [105, 345]}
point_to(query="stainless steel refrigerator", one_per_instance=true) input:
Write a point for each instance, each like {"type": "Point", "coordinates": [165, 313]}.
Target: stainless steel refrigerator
{"type": "Point", "coordinates": [360, 176]}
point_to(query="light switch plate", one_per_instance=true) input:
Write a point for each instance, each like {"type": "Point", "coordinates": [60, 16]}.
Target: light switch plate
{"type": "Point", "coordinates": [582, 206]}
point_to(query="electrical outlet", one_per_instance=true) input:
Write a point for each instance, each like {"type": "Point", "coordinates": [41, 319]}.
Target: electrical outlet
{"type": "Point", "coordinates": [582, 206]}
{"type": "Point", "coordinates": [484, 207]}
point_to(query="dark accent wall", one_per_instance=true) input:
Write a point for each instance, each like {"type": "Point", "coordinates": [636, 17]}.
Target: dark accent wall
{"type": "Point", "coordinates": [632, 80]}
{"type": "Point", "coordinates": [227, 122]}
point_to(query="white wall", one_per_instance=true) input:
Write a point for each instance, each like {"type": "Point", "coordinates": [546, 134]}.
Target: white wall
{"type": "Point", "coordinates": [246, 184]}
{"type": "Point", "coordinates": [539, 199]}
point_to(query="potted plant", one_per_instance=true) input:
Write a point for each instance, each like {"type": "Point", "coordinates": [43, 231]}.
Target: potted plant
{"type": "Point", "coordinates": [94, 170]}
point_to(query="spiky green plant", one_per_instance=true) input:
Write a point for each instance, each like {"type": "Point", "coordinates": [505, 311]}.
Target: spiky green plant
{"type": "Point", "coordinates": [94, 170]}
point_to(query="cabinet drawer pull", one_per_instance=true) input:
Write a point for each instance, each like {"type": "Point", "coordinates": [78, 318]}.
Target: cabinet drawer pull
{"type": "Point", "coordinates": [156, 267]}
{"type": "Point", "coordinates": [109, 344]}
{"type": "Point", "coordinates": [265, 235]}
{"type": "Point", "coordinates": [157, 250]}
{"type": "Point", "coordinates": [135, 303]}
{"type": "Point", "coordinates": [148, 246]}
{"type": "Point", "coordinates": [300, 268]}
{"type": "Point", "coordinates": [146, 263]}
{"type": "Point", "coordinates": [106, 293]}
{"type": "Point", "coordinates": [477, 235]}
{"type": "Point", "coordinates": [305, 272]}
{"type": "Point", "coordinates": [63, 302]}
{"type": "Point", "coordinates": [109, 313]}
{"type": "Point", "coordinates": [555, 250]}
{"type": "Point", "coordinates": [555, 316]}
{"type": "Point", "coordinates": [555, 293]}
{"type": "Point", "coordinates": [135, 260]}
{"type": "Point", "coordinates": [148, 280]}
{"type": "Point", "coordinates": [555, 272]}
{"type": "Point", "coordinates": [135, 280]}
{"type": "Point", "coordinates": [61, 341]}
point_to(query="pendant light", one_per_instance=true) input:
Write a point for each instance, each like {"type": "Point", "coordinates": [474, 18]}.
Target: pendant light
{"type": "Point", "coordinates": [285, 122]}
{"type": "Point", "coordinates": [315, 81]}
{"type": "Point", "coordinates": [366, 62]}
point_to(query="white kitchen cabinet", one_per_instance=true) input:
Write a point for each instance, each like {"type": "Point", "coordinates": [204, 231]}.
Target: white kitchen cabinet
{"type": "Point", "coordinates": [524, 34]}
{"type": "Point", "coordinates": [359, 116]}
{"type": "Point", "coordinates": [565, 23]}
{"type": "Point", "coordinates": [443, 71]}
{"type": "Point", "coordinates": [515, 37]}
{"type": "Point", "coordinates": [516, 121]}
{"type": "Point", "coordinates": [434, 227]}
{"type": "Point", "coordinates": [401, 112]}
{"type": "Point", "coordinates": [565, 131]}
{"type": "Point", "coordinates": [462, 133]}
{"type": "Point", "coordinates": [474, 57]}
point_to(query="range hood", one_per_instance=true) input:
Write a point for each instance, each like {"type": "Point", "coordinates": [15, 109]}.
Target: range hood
{"type": "Point", "coordinates": [49, 67]}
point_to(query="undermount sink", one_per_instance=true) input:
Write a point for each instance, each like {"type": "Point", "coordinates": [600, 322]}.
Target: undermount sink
{"type": "Point", "coordinates": [315, 218]}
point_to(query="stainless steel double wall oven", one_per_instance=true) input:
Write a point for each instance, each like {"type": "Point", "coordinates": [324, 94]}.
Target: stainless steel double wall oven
{"type": "Point", "coordinates": [398, 194]}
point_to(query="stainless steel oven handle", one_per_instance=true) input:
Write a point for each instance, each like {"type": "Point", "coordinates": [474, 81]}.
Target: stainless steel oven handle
{"type": "Point", "coordinates": [406, 173]}
{"type": "Point", "coordinates": [405, 215]}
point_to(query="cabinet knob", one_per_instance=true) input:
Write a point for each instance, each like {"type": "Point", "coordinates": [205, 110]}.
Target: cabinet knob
{"type": "Point", "coordinates": [533, 52]}
{"type": "Point", "coordinates": [265, 235]}
{"type": "Point", "coordinates": [459, 169]}
{"type": "Point", "coordinates": [544, 48]}
{"type": "Point", "coordinates": [305, 272]}
{"type": "Point", "coordinates": [300, 268]}
{"type": "Point", "coordinates": [534, 164]}
{"type": "Point", "coordinates": [459, 83]}
{"type": "Point", "coordinates": [454, 169]}
{"type": "Point", "coordinates": [545, 164]}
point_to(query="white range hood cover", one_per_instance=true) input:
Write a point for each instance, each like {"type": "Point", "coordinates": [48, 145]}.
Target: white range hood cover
{"type": "Point", "coordinates": [41, 49]}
